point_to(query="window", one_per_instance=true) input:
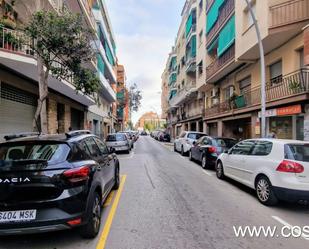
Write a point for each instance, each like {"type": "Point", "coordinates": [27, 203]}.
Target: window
{"type": "Point", "coordinates": [247, 15]}
{"type": "Point", "coordinates": [91, 147]}
{"type": "Point", "coordinates": [102, 146]}
{"type": "Point", "coordinates": [301, 58]}
{"type": "Point", "coordinates": [275, 71]}
{"type": "Point", "coordinates": [245, 85]}
{"type": "Point", "coordinates": [195, 135]}
{"type": "Point", "coordinates": [200, 38]}
{"type": "Point", "coordinates": [297, 152]}
{"type": "Point", "coordinates": [200, 6]}
{"type": "Point", "coordinates": [262, 148]}
{"type": "Point", "coordinates": [200, 68]}
{"type": "Point", "coordinates": [243, 148]}
{"type": "Point", "coordinates": [228, 92]}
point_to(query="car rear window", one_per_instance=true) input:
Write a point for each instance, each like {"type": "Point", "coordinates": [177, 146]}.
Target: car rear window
{"type": "Point", "coordinates": [195, 136]}
{"type": "Point", "coordinates": [50, 152]}
{"type": "Point", "coordinates": [227, 143]}
{"type": "Point", "coordinates": [297, 152]}
{"type": "Point", "coordinates": [116, 137]}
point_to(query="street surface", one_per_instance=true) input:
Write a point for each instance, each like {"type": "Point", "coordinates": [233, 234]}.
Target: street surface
{"type": "Point", "coordinates": [169, 202]}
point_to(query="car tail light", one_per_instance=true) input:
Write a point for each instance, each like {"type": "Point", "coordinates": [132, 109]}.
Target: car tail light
{"type": "Point", "coordinates": [212, 149]}
{"type": "Point", "coordinates": [290, 167]}
{"type": "Point", "coordinates": [75, 222]}
{"type": "Point", "coordinates": [78, 174]}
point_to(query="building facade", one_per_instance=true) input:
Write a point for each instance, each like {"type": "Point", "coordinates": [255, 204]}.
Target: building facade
{"type": "Point", "coordinates": [18, 78]}
{"type": "Point", "coordinates": [228, 64]}
{"type": "Point", "coordinates": [122, 99]}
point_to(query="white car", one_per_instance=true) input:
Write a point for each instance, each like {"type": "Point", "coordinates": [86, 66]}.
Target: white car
{"type": "Point", "coordinates": [119, 142]}
{"type": "Point", "coordinates": [184, 142]}
{"type": "Point", "coordinates": [277, 169]}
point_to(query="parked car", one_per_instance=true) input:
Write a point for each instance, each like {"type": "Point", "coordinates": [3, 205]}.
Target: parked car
{"type": "Point", "coordinates": [55, 182]}
{"type": "Point", "coordinates": [207, 149]}
{"type": "Point", "coordinates": [276, 169]}
{"type": "Point", "coordinates": [144, 133]}
{"type": "Point", "coordinates": [184, 142]}
{"type": "Point", "coordinates": [119, 142]}
{"type": "Point", "coordinates": [129, 136]}
{"type": "Point", "coordinates": [164, 137]}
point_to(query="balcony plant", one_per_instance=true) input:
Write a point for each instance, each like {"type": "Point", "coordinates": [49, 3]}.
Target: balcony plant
{"type": "Point", "coordinates": [294, 86]}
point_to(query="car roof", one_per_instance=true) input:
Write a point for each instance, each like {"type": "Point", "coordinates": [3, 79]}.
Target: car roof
{"type": "Point", "coordinates": [278, 141]}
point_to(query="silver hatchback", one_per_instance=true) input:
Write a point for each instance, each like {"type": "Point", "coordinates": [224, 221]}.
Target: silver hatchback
{"type": "Point", "coordinates": [119, 142]}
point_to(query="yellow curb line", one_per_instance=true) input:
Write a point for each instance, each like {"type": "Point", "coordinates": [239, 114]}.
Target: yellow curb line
{"type": "Point", "coordinates": [109, 221]}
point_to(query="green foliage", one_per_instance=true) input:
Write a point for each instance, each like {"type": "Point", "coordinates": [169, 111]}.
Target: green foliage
{"type": "Point", "coordinates": [63, 43]}
{"type": "Point", "coordinates": [135, 97]}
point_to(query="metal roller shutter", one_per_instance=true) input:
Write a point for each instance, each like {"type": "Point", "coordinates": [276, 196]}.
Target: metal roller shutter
{"type": "Point", "coordinates": [17, 108]}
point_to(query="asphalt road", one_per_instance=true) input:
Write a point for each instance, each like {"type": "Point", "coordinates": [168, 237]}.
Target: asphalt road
{"type": "Point", "coordinates": [169, 202]}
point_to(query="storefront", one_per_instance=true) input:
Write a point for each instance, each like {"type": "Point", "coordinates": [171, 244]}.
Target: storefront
{"type": "Point", "coordinates": [286, 122]}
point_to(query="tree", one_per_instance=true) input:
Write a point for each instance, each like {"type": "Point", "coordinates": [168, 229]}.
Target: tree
{"type": "Point", "coordinates": [135, 98]}
{"type": "Point", "coordinates": [62, 45]}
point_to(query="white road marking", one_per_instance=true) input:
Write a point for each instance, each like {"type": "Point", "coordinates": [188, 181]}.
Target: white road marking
{"type": "Point", "coordinates": [207, 173]}
{"type": "Point", "coordinates": [284, 223]}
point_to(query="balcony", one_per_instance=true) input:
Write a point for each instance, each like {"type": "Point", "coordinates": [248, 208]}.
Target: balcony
{"type": "Point", "coordinates": [191, 32]}
{"type": "Point", "coordinates": [221, 65]}
{"type": "Point", "coordinates": [184, 94]}
{"type": "Point", "coordinates": [107, 91]}
{"type": "Point", "coordinates": [16, 55]}
{"type": "Point", "coordinates": [291, 85]}
{"type": "Point", "coordinates": [289, 12]}
{"type": "Point", "coordinates": [191, 65]}
{"type": "Point", "coordinates": [209, 4]}
{"type": "Point", "coordinates": [225, 13]}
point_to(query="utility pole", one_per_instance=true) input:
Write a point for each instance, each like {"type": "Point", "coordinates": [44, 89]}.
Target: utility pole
{"type": "Point", "coordinates": [263, 76]}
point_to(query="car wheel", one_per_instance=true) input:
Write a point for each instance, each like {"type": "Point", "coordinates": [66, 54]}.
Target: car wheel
{"type": "Point", "coordinates": [92, 228]}
{"type": "Point", "coordinates": [204, 162]}
{"type": "Point", "coordinates": [175, 150]}
{"type": "Point", "coordinates": [220, 170]}
{"type": "Point", "coordinates": [190, 155]}
{"type": "Point", "coordinates": [117, 178]}
{"type": "Point", "coordinates": [265, 192]}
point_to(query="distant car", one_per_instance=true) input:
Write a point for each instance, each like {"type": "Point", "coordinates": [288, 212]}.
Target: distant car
{"type": "Point", "coordinates": [276, 169]}
{"type": "Point", "coordinates": [55, 182]}
{"type": "Point", "coordinates": [119, 142]}
{"type": "Point", "coordinates": [164, 137]}
{"type": "Point", "coordinates": [207, 149]}
{"type": "Point", "coordinates": [184, 142]}
{"type": "Point", "coordinates": [144, 133]}
{"type": "Point", "coordinates": [130, 137]}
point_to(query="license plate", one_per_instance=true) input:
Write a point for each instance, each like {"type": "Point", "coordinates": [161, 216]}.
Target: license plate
{"type": "Point", "coordinates": [15, 216]}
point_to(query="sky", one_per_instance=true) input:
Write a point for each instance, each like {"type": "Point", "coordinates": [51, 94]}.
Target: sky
{"type": "Point", "coordinates": [145, 31]}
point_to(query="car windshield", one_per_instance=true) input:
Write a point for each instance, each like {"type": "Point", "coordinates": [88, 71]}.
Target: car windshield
{"type": "Point", "coordinates": [50, 152]}
{"type": "Point", "coordinates": [195, 136]}
{"type": "Point", "coordinates": [297, 152]}
{"type": "Point", "coordinates": [116, 137]}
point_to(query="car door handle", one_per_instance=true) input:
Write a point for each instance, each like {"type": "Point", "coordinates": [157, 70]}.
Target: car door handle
{"type": "Point", "coordinates": [99, 168]}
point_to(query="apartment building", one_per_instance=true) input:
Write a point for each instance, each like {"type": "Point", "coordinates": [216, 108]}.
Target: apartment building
{"type": "Point", "coordinates": [18, 72]}
{"type": "Point", "coordinates": [232, 83]}
{"type": "Point", "coordinates": [184, 76]}
{"type": "Point", "coordinates": [122, 99]}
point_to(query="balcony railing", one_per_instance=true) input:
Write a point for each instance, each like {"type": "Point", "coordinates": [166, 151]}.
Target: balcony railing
{"type": "Point", "coordinates": [209, 4]}
{"type": "Point", "coordinates": [221, 62]}
{"type": "Point", "coordinates": [291, 85]}
{"type": "Point", "coordinates": [225, 12]}
{"type": "Point", "coordinates": [15, 42]}
{"type": "Point", "coordinates": [191, 32]}
{"type": "Point", "coordinates": [289, 12]}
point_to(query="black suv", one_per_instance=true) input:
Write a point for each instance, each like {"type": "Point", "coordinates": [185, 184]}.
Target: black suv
{"type": "Point", "coordinates": [55, 182]}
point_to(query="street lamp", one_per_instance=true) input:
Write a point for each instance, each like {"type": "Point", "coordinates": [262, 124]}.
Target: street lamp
{"type": "Point", "coordinates": [263, 77]}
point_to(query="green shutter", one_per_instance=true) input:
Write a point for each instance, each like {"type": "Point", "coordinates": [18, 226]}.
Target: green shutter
{"type": "Point", "coordinates": [109, 55]}
{"type": "Point", "coordinates": [173, 78]}
{"type": "Point", "coordinates": [193, 46]}
{"type": "Point", "coordinates": [101, 65]}
{"type": "Point", "coordinates": [172, 94]}
{"type": "Point", "coordinates": [189, 24]}
{"type": "Point", "coordinates": [213, 14]}
{"type": "Point", "coordinates": [226, 36]}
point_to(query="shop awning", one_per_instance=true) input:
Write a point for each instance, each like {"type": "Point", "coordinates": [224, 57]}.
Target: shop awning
{"type": "Point", "coordinates": [226, 36]}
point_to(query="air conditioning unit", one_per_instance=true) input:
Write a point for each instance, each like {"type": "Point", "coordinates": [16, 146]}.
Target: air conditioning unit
{"type": "Point", "coordinates": [215, 92]}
